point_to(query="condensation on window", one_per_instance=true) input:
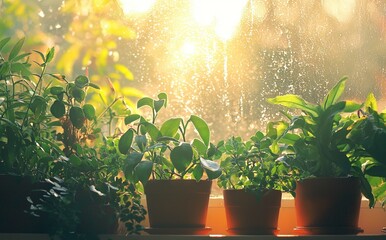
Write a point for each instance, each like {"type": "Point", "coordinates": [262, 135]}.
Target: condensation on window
{"type": "Point", "coordinates": [222, 59]}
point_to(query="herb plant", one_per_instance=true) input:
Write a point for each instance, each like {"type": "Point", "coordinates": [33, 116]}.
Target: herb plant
{"type": "Point", "coordinates": [161, 151]}
{"type": "Point", "coordinates": [255, 165]}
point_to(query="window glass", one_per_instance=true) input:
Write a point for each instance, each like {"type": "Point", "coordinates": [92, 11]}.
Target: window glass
{"type": "Point", "coordinates": [219, 59]}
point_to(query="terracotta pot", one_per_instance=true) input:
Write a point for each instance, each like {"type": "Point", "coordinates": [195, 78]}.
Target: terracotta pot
{"type": "Point", "coordinates": [177, 206]}
{"type": "Point", "coordinates": [96, 216]}
{"type": "Point", "coordinates": [14, 191]}
{"type": "Point", "coordinates": [247, 215]}
{"type": "Point", "coordinates": [328, 206]}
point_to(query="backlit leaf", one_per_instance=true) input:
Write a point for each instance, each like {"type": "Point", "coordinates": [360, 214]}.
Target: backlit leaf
{"type": "Point", "coordinates": [181, 156]}
{"type": "Point", "coordinates": [125, 141]}
{"type": "Point", "coordinates": [202, 128]}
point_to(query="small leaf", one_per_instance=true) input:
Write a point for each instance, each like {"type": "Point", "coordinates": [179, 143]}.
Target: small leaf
{"type": "Point", "coordinates": [56, 90]}
{"type": "Point", "coordinates": [125, 141]}
{"type": "Point", "coordinates": [202, 128]}
{"type": "Point", "coordinates": [50, 54]}
{"type": "Point", "coordinates": [4, 42]}
{"type": "Point", "coordinates": [146, 101]}
{"type": "Point", "coordinates": [200, 147]}
{"type": "Point", "coordinates": [163, 96]}
{"type": "Point", "coordinates": [89, 111]}
{"type": "Point", "coordinates": [93, 85]}
{"type": "Point", "coordinates": [16, 49]}
{"type": "Point", "coordinates": [158, 105]}
{"type": "Point", "coordinates": [143, 171]}
{"type": "Point", "coordinates": [131, 118]}
{"type": "Point", "coordinates": [81, 81]}
{"type": "Point", "coordinates": [78, 94]}
{"type": "Point", "coordinates": [141, 142]}
{"type": "Point", "coordinates": [371, 102]}
{"type": "Point", "coordinates": [170, 127]}
{"type": "Point", "coordinates": [181, 156]}
{"type": "Point", "coordinates": [335, 93]}
{"type": "Point", "coordinates": [198, 172]}
{"type": "Point", "coordinates": [77, 117]}
{"type": "Point", "coordinates": [58, 109]}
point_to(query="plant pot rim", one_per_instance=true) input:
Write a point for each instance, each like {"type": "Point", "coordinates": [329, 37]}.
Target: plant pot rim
{"type": "Point", "coordinates": [245, 190]}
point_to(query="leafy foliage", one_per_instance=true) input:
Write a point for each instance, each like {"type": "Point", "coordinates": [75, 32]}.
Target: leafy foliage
{"type": "Point", "coordinates": [317, 137]}
{"type": "Point", "coordinates": [161, 151]}
{"type": "Point", "coordinates": [368, 136]}
{"type": "Point", "coordinates": [255, 165]}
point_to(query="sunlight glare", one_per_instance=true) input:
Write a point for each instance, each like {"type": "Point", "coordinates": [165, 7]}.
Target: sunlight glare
{"type": "Point", "coordinates": [136, 6]}
{"type": "Point", "coordinates": [223, 15]}
{"type": "Point", "coordinates": [188, 49]}
{"type": "Point", "coordinates": [342, 10]}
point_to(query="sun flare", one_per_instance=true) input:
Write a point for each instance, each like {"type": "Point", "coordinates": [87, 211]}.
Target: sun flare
{"type": "Point", "coordinates": [136, 6]}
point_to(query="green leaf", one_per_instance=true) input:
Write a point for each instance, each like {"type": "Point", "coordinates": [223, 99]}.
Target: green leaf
{"type": "Point", "coordinates": [202, 128]}
{"type": "Point", "coordinates": [93, 85]}
{"type": "Point", "coordinates": [78, 94]}
{"type": "Point", "coordinates": [376, 170]}
{"type": "Point", "coordinates": [56, 90]}
{"type": "Point", "coordinates": [77, 117]}
{"type": "Point", "coordinates": [170, 127]}
{"type": "Point", "coordinates": [200, 147]}
{"type": "Point", "coordinates": [58, 109]}
{"type": "Point", "coordinates": [50, 54]}
{"type": "Point", "coordinates": [89, 111]}
{"type": "Point", "coordinates": [158, 105]}
{"type": "Point", "coordinates": [351, 106]}
{"type": "Point", "coordinates": [143, 171]}
{"type": "Point", "coordinates": [152, 130]}
{"type": "Point", "coordinates": [163, 96]}
{"type": "Point", "coordinates": [213, 175]}
{"type": "Point", "coordinates": [4, 42]}
{"type": "Point", "coordinates": [16, 49]}
{"type": "Point", "coordinates": [371, 102]}
{"type": "Point", "coordinates": [125, 141]}
{"type": "Point", "coordinates": [131, 118]}
{"type": "Point", "coordinates": [81, 81]}
{"type": "Point", "coordinates": [131, 162]}
{"type": "Point", "coordinates": [38, 105]}
{"type": "Point", "coordinates": [198, 172]}
{"type": "Point", "coordinates": [295, 102]}
{"type": "Point", "coordinates": [146, 101]}
{"type": "Point", "coordinates": [181, 156]}
{"type": "Point", "coordinates": [21, 56]}
{"type": "Point", "coordinates": [141, 142]}
{"type": "Point", "coordinates": [335, 93]}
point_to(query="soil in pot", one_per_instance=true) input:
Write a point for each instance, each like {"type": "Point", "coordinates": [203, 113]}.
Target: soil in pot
{"type": "Point", "coordinates": [177, 206]}
{"type": "Point", "coordinates": [248, 215]}
{"type": "Point", "coordinates": [328, 206]}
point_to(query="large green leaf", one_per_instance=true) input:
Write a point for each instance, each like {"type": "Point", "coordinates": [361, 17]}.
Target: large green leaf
{"type": "Point", "coordinates": [141, 142]}
{"type": "Point", "coordinates": [170, 127]}
{"type": "Point", "coordinates": [131, 118]}
{"type": "Point", "coordinates": [181, 156]}
{"type": "Point", "coordinates": [200, 147]}
{"type": "Point", "coordinates": [143, 171]}
{"type": "Point", "coordinates": [295, 102]}
{"type": "Point", "coordinates": [132, 161]}
{"type": "Point", "coordinates": [202, 128]}
{"type": "Point", "coordinates": [335, 93]}
{"type": "Point", "coordinates": [125, 141]}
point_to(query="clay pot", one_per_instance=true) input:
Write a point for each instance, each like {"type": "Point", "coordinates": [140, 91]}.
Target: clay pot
{"type": "Point", "coordinates": [248, 215]}
{"type": "Point", "coordinates": [14, 191]}
{"type": "Point", "coordinates": [328, 206]}
{"type": "Point", "coordinates": [177, 206]}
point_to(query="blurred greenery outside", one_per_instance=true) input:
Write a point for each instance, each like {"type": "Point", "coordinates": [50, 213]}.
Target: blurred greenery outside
{"type": "Point", "coordinates": [279, 47]}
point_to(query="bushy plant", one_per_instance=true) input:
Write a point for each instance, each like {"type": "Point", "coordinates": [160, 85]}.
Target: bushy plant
{"type": "Point", "coordinates": [255, 165]}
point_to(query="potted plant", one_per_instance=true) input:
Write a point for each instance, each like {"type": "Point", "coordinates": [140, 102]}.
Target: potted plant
{"type": "Point", "coordinates": [25, 151]}
{"type": "Point", "coordinates": [328, 194]}
{"type": "Point", "coordinates": [368, 136]}
{"type": "Point", "coordinates": [253, 179]}
{"type": "Point", "coordinates": [88, 197]}
{"type": "Point", "coordinates": [170, 168]}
